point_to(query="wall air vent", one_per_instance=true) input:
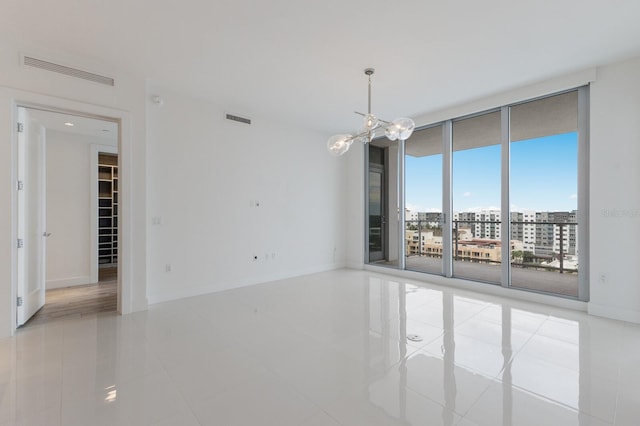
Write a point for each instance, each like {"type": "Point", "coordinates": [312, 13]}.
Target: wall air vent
{"type": "Point", "coordinates": [61, 69]}
{"type": "Point", "coordinates": [238, 119]}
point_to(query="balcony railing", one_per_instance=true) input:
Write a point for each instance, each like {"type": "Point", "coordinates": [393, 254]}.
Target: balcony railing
{"type": "Point", "coordinates": [549, 245]}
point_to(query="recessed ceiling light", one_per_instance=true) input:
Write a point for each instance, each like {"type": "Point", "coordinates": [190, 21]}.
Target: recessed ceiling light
{"type": "Point", "coordinates": [105, 130]}
{"type": "Point", "coordinates": [70, 124]}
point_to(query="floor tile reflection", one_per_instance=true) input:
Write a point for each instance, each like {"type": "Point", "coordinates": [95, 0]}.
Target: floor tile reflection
{"type": "Point", "coordinates": [326, 349]}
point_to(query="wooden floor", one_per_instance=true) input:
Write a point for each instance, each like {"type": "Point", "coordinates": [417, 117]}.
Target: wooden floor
{"type": "Point", "coordinates": [78, 301]}
{"type": "Point", "coordinates": [107, 274]}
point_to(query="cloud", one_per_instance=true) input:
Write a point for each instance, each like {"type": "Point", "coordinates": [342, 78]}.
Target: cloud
{"type": "Point", "coordinates": [573, 196]}
{"type": "Point", "coordinates": [466, 194]}
{"type": "Point", "coordinates": [478, 209]}
{"type": "Point", "coordinates": [414, 208]}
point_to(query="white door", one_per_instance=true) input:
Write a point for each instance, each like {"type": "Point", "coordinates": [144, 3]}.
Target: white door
{"type": "Point", "coordinates": [31, 217]}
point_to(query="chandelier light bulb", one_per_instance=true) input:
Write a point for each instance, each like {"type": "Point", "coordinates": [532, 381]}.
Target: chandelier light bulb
{"type": "Point", "coordinates": [404, 127]}
{"type": "Point", "coordinates": [370, 122]}
{"type": "Point", "coordinates": [339, 144]}
{"type": "Point", "coordinates": [392, 132]}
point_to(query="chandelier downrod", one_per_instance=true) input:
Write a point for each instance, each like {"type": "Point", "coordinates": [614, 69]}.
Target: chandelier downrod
{"type": "Point", "coordinates": [369, 72]}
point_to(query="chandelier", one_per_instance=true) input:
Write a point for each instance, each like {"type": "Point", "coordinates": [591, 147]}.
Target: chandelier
{"type": "Point", "coordinates": [398, 129]}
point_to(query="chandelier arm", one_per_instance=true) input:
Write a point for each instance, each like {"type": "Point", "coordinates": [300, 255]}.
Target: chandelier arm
{"type": "Point", "coordinates": [364, 115]}
{"type": "Point", "coordinates": [359, 135]}
{"type": "Point", "coordinates": [364, 133]}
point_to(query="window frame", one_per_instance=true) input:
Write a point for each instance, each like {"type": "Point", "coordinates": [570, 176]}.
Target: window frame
{"type": "Point", "coordinates": [505, 228]}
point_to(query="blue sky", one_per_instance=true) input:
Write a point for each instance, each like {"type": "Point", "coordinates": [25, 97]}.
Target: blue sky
{"type": "Point", "coordinates": [543, 177]}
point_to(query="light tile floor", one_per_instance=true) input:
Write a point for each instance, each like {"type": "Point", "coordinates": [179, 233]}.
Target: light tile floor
{"type": "Point", "coordinates": [326, 349]}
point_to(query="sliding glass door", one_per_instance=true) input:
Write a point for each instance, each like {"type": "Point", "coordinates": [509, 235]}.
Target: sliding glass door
{"type": "Point", "coordinates": [377, 214]}
{"type": "Point", "coordinates": [382, 205]}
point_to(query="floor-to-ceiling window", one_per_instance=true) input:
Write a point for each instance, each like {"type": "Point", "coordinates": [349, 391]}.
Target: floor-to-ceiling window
{"type": "Point", "coordinates": [496, 197]}
{"type": "Point", "coordinates": [423, 201]}
{"type": "Point", "coordinates": [543, 193]}
{"type": "Point", "coordinates": [476, 196]}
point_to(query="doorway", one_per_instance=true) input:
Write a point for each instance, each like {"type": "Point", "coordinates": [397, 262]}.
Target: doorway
{"type": "Point", "coordinates": [377, 220]}
{"type": "Point", "coordinates": [377, 205]}
{"type": "Point", "coordinates": [108, 209]}
{"type": "Point", "coordinates": [59, 207]}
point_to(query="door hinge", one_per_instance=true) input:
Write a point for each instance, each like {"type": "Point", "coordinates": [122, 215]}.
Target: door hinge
{"type": "Point", "coordinates": [20, 185]}
{"type": "Point", "coordinates": [20, 243]}
{"type": "Point", "coordinates": [20, 127]}
{"type": "Point", "coordinates": [19, 301]}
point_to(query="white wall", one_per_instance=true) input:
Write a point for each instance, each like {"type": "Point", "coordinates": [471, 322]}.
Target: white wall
{"type": "Point", "coordinates": [355, 208]}
{"type": "Point", "coordinates": [206, 175]}
{"type": "Point", "coordinates": [127, 101]}
{"type": "Point", "coordinates": [69, 211]}
{"type": "Point", "coordinates": [615, 192]}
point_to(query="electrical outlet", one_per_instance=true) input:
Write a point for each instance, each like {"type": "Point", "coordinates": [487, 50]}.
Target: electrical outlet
{"type": "Point", "coordinates": [167, 267]}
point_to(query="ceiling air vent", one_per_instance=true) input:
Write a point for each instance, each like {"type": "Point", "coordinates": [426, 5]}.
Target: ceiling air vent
{"type": "Point", "coordinates": [61, 69]}
{"type": "Point", "coordinates": [238, 119]}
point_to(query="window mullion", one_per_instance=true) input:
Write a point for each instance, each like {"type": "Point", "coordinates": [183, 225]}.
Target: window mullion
{"type": "Point", "coordinates": [447, 205]}
{"type": "Point", "coordinates": [401, 206]}
{"type": "Point", "coordinates": [583, 192]}
{"type": "Point", "coordinates": [505, 226]}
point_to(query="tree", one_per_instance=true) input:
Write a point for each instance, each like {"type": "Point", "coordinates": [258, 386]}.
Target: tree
{"type": "Point", "coordinates": [527, 257]}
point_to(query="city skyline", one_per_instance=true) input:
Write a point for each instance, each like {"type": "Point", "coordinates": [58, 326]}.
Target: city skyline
{"type": "Point", "coordinates": [543, 177]}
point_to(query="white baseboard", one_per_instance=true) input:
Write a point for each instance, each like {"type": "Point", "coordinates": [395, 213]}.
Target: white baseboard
{"type": "Point", "coordinates": [355, 265]}
{"type": "Point", "coordinates": [68, 282]}
{"type": "Point", "coordinates": [216, 287]}
{"type": "Point", "coordinates": [614, 312]}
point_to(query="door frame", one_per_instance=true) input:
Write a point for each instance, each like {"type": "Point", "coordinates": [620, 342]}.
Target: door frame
{"type": "Point", "coordinates": [18, 98]}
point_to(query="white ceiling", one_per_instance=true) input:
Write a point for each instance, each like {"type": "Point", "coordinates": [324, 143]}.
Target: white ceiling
{"type": "Point", "coordinates": [107, 131]}
{"type": "Point", "coordinates": [302, 61]}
